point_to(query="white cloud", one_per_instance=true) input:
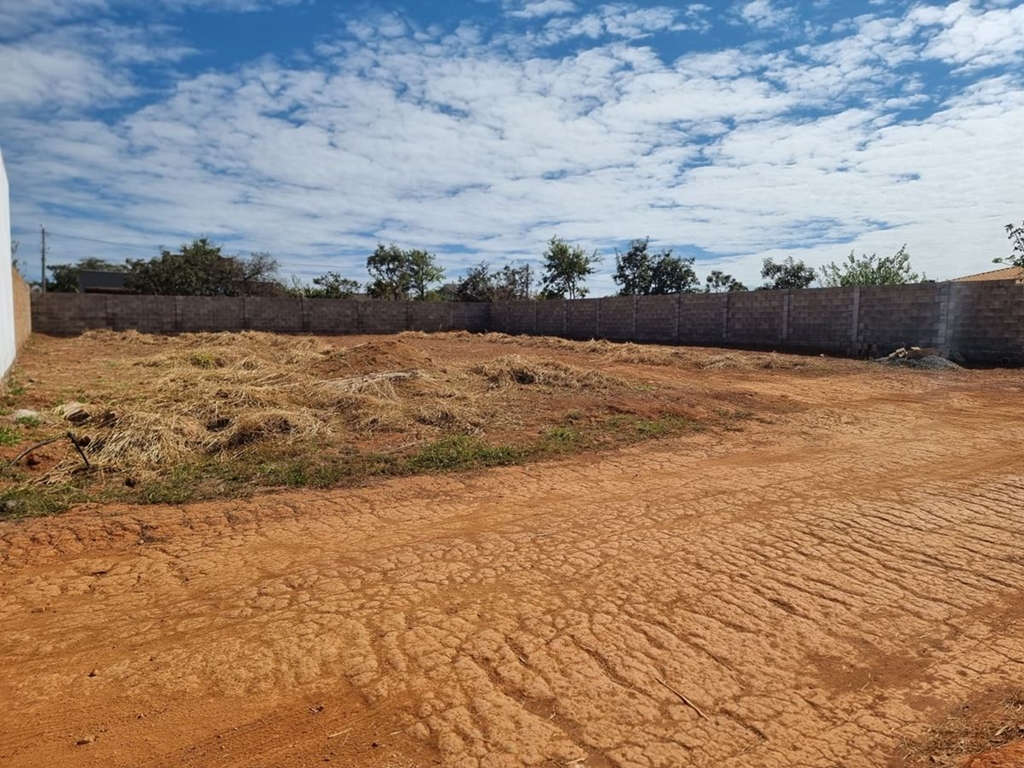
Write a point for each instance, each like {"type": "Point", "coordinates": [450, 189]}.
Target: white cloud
{"type": "Point", "coordinates": [765, 14]}
{"type": "Point", "coordinates": [542, 8]}
{"type": "Point", "coordinates": [973, 37]}
{"type": "Point", "coordinates": [433, 138]}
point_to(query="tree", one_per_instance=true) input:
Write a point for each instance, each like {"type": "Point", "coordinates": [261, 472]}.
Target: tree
{"type": "Point", "coordinates": [1015, 234]}
{"type": "Point", "coordinates": [477, 285]}
{"type": "Point", "coordinates": [331, 285]}
{"type": "Point", "coordinates": [634, 269]}
{"type": "Point", "coordinates": [720, 282]}
{"type": "Point", "coordinates": [200, 269]}
{"type": "Point", "coordinates": [507, 284]}
{"type": "Point", "coordinates": [566, 268]}
{"type": "Point", "coordinates": [673, 274]}
{"type": "Point", "coordinates": [390, 272]}
{"type": "Point", "coordinates": [64, 277]}
{"type": "Point", "coordinates": [423, 272]}
{"type": "Point", "coordinates": [871, 270]}
{"type": "Point", "coordinates": [641, 273]}
{"type": "Point", "coordinates": [786, 274]}
{"type": "Point", "coordinates": [399, 274]}
{"type": "Point", "coordinates": [513, 283]}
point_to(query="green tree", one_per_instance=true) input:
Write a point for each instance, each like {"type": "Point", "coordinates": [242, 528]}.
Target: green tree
{"type": "Point", "coordinates": [200, 269]}
{"type": "Point", "coordinates": [389, 270]}
{"type": "Point", "coordinates": [423, 273]}
{"type": "Point", "coordinates": [481, 283]}
{"type": "Point", "coordinates": [786, 274]}
{"type": "Point", "coordinates": [634, 269]}
{"type": "Point", "coordinates": [331, 285]}
{"type": "Point", "coordinates": [398, 274]}
{"type": "Point", "coordinates": [641, 273]}
{"type": "Point", "coordinates": [1015, 234]}
{"type": "Point", "coordinates": [871, 270]}
{"type": "Point", "coordinates": [719, 282]}
{"type": "Point", "coordinates": [477, 285]}
{"type": "Point", "coordinates": [64, 277]}
{"type": "Point", "coordinates": [513, 283]}
{"type": "Point", "coordinates": [566, 268]}
{"type": "Point", "coordinates": [673, 274]}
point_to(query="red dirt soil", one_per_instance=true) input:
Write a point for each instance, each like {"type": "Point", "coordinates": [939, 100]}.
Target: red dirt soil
{"type": "Point", "coordinates": [820, 590]}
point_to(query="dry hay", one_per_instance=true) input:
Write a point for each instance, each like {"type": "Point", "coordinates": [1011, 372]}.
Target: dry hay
{"type": "Point", "coordinates": [219, 394]}
{"type": "Point", "coordinates": [629, 353]}
{"type": "Point", "coordinates": [515, 370]}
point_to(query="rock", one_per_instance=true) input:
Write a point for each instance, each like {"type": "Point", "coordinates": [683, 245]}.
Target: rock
{"type": "Point", "coordinates": [918, 353]}
{"type": "Point", "coordinates": [24, 413]}
{"type": "Point", "coordinates": [85, 740]}
{"type": "Point", "coordinates": [73, 412]}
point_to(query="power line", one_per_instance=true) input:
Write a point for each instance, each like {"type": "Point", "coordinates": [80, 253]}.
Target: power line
{"type": "Point", "coordinates": [101, 242]}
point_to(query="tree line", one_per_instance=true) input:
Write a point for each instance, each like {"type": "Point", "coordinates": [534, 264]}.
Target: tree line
{"type": "Point", "coordinates": [200, 268]}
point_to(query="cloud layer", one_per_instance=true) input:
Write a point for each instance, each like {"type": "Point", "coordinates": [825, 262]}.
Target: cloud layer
{"type": "Point", "coordinates": [730, 135]}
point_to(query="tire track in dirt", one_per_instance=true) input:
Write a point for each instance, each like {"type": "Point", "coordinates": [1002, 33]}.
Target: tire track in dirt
{"type": "Point", "coordinates": [818, 593]}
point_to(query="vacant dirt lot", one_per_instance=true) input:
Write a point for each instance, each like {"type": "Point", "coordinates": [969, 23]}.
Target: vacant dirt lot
{"type": "Point", "coordinates": [832, 581]}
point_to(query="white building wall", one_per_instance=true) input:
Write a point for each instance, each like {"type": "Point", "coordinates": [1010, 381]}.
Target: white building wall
{"type": "Point", "coordinates": [8, 346]}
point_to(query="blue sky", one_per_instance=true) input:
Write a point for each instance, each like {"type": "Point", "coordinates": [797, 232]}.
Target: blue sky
{"type": "Point", "coordinates": [478, 129]}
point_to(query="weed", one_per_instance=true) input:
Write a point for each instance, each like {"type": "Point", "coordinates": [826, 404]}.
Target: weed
{"type": "Point", "coordinates": [462, 452]}
{"type": "Point", "coordinates": [205, 360]}
{"type": "Point", "coordinates": [29, 421]}
{"type": "Point", "coordinates": [9, 436]}
{"type": "Point", "coordinates": [560, 439]}
{"type": "Point", "coordinates": [36, 500]}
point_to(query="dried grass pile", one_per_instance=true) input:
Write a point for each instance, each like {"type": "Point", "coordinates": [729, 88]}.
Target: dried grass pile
{"type": "Point", "coordinates": [202, 395]}
{"type": "Point", "coordinates": [630, 353]}
{"type": "Point", "coordinates": [513, 369]}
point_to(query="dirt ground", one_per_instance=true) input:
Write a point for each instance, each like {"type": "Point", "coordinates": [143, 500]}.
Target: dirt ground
{"type": "Point", "coordinates": [836, 582]}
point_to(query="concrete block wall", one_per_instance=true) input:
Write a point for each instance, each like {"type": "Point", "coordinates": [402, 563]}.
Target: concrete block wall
{"type": "Point", "coordinates": [551, 317]}
{"type": "Point", "coordinates": [888, 318]}
{"type": "Point", "coordinates": [472, 316]}
{"type": "Point", "coordinates": [984, 322]}
{"type": "Point", "coordinates": [517, 317]}
{"type": "Point", "coordinates": [429, 316]}
{"type": "Point", "coordinates": [582, 318]}
{"type": "Point", "coordinates": [702, 318]}
{"type": "Point", "coordinates": [755, 318]}
{"type": "Point", "coordinates": [22, 295]}
{"type": "Point", "coordinates": [822, 319]}
{"type": "Point", "coordinates": [657, 319]}
{"type": "Point", "coordinates": [330, 317]}
{"type": "Point", "coordinates": [991, 326]}
{"type": "Point", "coordinates": [617, 318]}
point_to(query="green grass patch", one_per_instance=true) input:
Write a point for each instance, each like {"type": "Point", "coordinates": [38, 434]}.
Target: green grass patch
{"type": "Point", "coordinates": [9, 436]}
{"type": "Point", "coordinates": [247, 472]}
{"type": "Point", "coordinates": [462, 452]}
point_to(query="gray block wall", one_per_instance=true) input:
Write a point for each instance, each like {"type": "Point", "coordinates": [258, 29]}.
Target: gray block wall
{"type": "Point", "coordinates": [702, 318]}
{"type": "Point", "coordinates": [617, 318]}
{"type": "Point", "coordinates": [657, 319]}
{"type": "Point", "coordinates": [582, 318]}
{"type": "Point", "coordinates": [473, 317]}
{"type": "Point", "coordinates": [755, 318]}
{"type": "Point", "coordinates": [983, 321]}
{"type": "Point", "coordinates": [551, 317]}
{"type": "Point", "coordinates": [821, 319]}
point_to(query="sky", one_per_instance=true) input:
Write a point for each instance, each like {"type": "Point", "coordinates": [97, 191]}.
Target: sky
{"type": "Point", "coordinates": [479, 129]}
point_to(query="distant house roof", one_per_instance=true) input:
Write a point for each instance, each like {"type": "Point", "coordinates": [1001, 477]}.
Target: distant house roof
{"type": "Point", "coordinates": [1006, 273]}
{"type": "Point", "coordinates": [94, 281]}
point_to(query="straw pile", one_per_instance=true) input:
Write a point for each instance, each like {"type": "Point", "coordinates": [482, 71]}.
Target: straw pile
{"type": "Point", "coordinates": [221, 394]}
{"type": "Point", "coordinates": [653, 354]}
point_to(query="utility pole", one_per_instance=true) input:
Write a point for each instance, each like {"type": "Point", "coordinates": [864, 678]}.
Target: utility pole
{"type": "Point", "coordinates": [42, 253]}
